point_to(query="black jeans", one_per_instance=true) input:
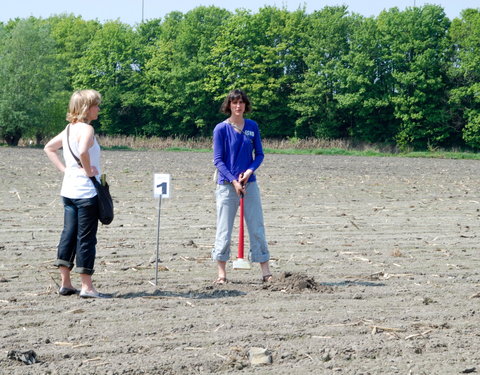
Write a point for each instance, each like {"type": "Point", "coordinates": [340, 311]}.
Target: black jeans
{"type": "Point", "coordinates": [79, 235]}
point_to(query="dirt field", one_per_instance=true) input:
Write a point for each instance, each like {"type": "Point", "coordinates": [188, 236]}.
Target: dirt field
{"type": "Point", "coordinates": [385, 249]}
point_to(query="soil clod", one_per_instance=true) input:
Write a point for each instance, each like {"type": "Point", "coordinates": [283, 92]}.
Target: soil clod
{"type": "Point", "coordinates": [29, 357]}
{"type": "Point", "coordinates": [292, 282]}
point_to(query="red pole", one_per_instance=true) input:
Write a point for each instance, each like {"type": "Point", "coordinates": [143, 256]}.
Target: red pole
{"type": "Point", "coordinates": [240, 263]}
{"type": "Point", "coordinates": [240, 234]}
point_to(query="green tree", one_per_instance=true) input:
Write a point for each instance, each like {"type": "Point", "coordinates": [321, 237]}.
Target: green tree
{"type": "Point", "coordinates": [366, 86]}
{"type": "Point", "coordinates": [465, 73]}
{"type": "Point", "coordinates": [260, 53]}
{"type": "Point", "coordinates": [72, 35]}
{"type": "Point", "coordinates": [159, 65]}
{"type": "Point", "coordinates": [327, 43]}
{"type": "Point", "coordinates": [177, 70]}
{"type": "Point", "coordinates": [149, 32]}
{"type": "Point", "coordinates": [418, 54]}
{"type": "Point", "coordinates": [147, 36]}
{"type": "Point", "coordinates": [29, 79]}
{"type": "Point", "coordinates": [110, 64]}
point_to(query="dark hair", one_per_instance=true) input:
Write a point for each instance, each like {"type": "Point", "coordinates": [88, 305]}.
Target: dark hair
{"type": "Point", "coordinates": [233, 96]}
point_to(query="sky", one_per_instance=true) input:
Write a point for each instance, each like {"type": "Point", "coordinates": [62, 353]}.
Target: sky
{"type": "Point", "coordinates": [131, 11]}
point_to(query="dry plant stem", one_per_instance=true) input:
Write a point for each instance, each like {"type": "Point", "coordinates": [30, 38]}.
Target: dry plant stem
{"type": "Point", "coordinates": [418, 334]}
{"type": "Point", "coordinates": [376, 329]}
{"type": "Point", "coordinates": [55, 281]}
{"type": "Point", "coordinates": [157, 143]}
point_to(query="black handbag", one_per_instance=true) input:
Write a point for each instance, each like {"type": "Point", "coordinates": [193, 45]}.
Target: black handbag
{"type": "Point", "coordinates": [105, 201]}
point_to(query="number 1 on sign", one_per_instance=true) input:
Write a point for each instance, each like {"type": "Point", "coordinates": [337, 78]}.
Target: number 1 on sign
{"type": "Point", "coordinates": [161, 185]}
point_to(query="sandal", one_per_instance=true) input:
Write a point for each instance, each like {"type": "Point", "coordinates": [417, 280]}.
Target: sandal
{"type": "Point", "coordinates": [220, 281]}
{"type": "Point", "coordinates": [267, 278]}
{"type": "Point", "coordinates": [64, 291]}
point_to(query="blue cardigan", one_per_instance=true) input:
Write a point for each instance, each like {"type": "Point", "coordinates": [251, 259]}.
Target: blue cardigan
{"type": "Point", "coordinates": [234, 153]}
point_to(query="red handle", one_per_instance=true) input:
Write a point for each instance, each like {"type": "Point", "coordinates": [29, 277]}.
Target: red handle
{"type": "Point", "coordinates": [240, 234]}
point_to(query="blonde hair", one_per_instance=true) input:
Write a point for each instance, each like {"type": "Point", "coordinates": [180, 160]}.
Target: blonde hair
{"type": "Point", "coordinates": [80, 102]}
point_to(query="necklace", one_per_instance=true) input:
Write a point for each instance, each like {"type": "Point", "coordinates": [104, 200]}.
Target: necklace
{"type": "Point", "coordinates": [237, 127]}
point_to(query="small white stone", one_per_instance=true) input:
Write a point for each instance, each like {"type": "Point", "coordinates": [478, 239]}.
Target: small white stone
{"type": "Point", "coordinates": [259, 356]}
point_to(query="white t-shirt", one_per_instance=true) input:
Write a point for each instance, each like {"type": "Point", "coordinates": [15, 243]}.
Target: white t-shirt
{"type": "Point", "coordinates": [76, 185]}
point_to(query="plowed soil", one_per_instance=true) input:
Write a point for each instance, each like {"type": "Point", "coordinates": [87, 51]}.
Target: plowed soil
{"type": "Point", "coordinates": [375, 260]}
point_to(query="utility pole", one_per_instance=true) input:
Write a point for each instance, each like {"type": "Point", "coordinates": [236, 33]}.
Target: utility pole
{"type": "Point", "coordinates": [142, 8]}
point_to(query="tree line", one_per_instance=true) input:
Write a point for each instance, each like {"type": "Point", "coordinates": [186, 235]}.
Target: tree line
{"type": "Point", "coordinates": [409, 78]}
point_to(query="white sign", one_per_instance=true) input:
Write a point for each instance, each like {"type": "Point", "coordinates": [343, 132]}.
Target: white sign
{"type": "Point", "coordinates": [161, 185]}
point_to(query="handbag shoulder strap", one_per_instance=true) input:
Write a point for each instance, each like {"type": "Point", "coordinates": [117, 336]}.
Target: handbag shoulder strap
{"type": "Point", "coordinates": [68, 143]}
{"type": "Point", "coordinates": [75, 156]}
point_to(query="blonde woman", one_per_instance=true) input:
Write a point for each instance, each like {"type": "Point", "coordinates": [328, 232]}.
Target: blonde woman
{"type": "Point", "coordinates": [79, 235]}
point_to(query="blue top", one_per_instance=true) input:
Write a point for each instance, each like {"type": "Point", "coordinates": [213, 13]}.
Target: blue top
{"type": "Point", "coordinates": [234, 153]}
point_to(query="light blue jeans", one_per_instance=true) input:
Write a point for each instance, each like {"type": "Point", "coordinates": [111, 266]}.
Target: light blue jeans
{"type": "Point", "coordinates": [227, 206]}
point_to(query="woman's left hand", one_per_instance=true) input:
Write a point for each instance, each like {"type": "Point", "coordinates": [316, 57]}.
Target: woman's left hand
{"type": "Point", "coordinates": [243, 179]}
{"type": "Point", "coordinates": [93, 171]}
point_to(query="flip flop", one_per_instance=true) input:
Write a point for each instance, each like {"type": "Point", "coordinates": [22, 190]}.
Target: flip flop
{"type": "Point", "coordinates": [94, 295]}
{"type": "Point", "coordinates": [220, 281]}
{"type": "Point", "coordinates": [267, 278]}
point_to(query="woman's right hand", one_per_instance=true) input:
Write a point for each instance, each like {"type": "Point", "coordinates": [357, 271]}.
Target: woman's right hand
{"type": "Point", "coordinates": [239, 188]}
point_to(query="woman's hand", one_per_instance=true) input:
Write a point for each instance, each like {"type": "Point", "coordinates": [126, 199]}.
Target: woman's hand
{"type": "Point", "coordinates": [239, 188]}
{"type": "Point", "coordinates": [244, 177]}
{"type": "Point", "coordinates": [93, 171]}
{"type": "Point", "coordinates": [51, 149]}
